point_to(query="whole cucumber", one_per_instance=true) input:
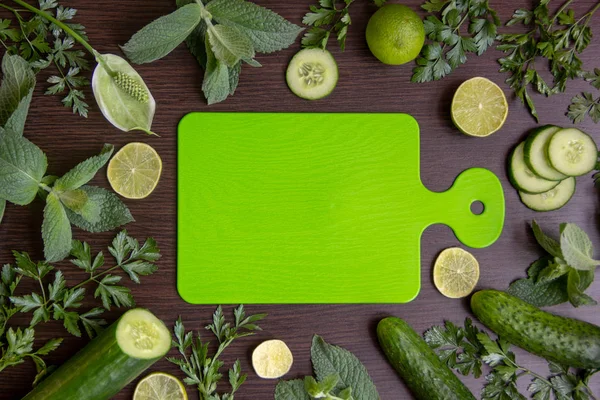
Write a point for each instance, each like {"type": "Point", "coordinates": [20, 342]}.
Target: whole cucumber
{"type": "Point", "coordinates": [566, 341]}
{"type": "Point", "coordinates": [427, 377]}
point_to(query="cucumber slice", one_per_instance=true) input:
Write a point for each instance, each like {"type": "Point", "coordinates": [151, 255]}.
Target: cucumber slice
{"type": "Point", "coordinates": [552, 199]}
{"type": "Point", "coordinates": [572, 152]}
{"type": "Point", "coordinates": [312, 74]}
{"type": "Point", "coordinates": [108, 363]}
{"type": "Point", "coordinates": [536, 156]}
{"type": "Point", "coordinates": [522, 178]}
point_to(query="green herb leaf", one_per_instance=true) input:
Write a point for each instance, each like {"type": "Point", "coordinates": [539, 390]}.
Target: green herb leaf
{"type": "Point", "coordinates": [577, 248]}
{"type": "Point", "coordinates": [160, 37]}
{"type": "Point", "coordinates": [333, 360]}
{"type": "Point", "coordinates": [576, 295]}
{"type": "Point", "coordinates": [139, 268]}
{"type": "Point", "coordinates": [18, 81]}
{"type": "Point", "coordinates": [2, 209]}
{"type": "Point", "coordinates": [113, 213]}
{"type": "Point", "coordinates": [216, 85]}
{"type": "Point", "coordinates": [56, 230]}
{"type": "Point", "coordinates": [540, 294]}
{"type": "Point", "coordinates": [93, 325]}
{"type": "Point", "coordinates": [267, 30]}
{"type": "Point", "coordinates": [229, 45]}
{"type": "Point", "coordinates": [22, 166]}
{"type": "Point", "coordinates": [547, 243]}
{"type": "Point", "coordinates": [110, 293]}
{"type": "Point", "coordinates": [582, 105]}
{"type": "Point", "coordinates": [83, 172]}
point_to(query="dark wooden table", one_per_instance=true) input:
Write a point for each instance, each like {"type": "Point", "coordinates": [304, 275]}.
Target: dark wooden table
{"type": "Point", "coordinates": [365, 85]}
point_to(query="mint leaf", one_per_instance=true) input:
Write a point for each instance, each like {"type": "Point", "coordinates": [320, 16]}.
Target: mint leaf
{"type": "Point", "coordinates": [113, 213]}
{"type": "Point", "coordinates": [267, 30]}
{"type": "Point", "coordinates": [160, 37]}
{"type": "Point", "coordinates": [577, 249]}
{"type": "Point", "coordinates": [234, 77]}
{"type": "Point", "coordinates": [22, 166]}
{"type": "Point", "coordinates": [547, 243]}
{"type": "Point", "coordinates": [229, 44]}
{"type": "Point", "coordinates": [552, 271]}
{"type": "Point", "coordinates": [56, 230]}
{"type": "Point", "coordinates": [576, 295]}
{"type": "Point", "coordinates": [83, 172]}
{"type": "Point", "coordinates": [15, 91]}
{"type": "Point", "coordinates": [540, 295]}
{"type": "Point", "coordinates": [215, 86]}
{"type": "Point", "coordinates": [2, 208]}
{"type": "Point", "coordinates": [331, 360]}
{"type": "Point", "coordinates": [196, 44]}
{"type": "Point", "coordinates": [74, 200]}
{"type": "Point", "coordinates": [291, 390]}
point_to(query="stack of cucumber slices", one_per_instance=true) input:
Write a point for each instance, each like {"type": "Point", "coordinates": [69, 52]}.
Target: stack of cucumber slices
{"type": "Point", "coordinates": [543, 167]}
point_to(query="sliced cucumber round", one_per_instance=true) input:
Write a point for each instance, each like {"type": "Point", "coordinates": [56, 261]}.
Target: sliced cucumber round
{"type": "Point", "coordinates": [312, 74]}
{"type": "Point", "coordinates": [141, 335]}
{"type": "Point", "coordinates": [552, 199]}
{"type": "Point", "coordinates": [522, 178]}
{"type": "Point", "coordinates": [536, 156]}
{"type": "Point", "coordinates": [572, 152]}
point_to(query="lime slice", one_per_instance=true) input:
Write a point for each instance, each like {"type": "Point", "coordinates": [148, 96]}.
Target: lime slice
{"type": "Point", "coordinates": [455, 273]}
{"type": "Point", "coordinates": [272, 359]}
{"type": "Point", "coordinates": [479, 107]}
{"type": "Point", "coordinates": [134, 171]}
{"type": "Point", "coordinates": [160, 386]}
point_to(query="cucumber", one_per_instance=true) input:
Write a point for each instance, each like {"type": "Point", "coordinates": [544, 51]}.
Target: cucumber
{"type": "Point", "coordinates": [427, 377]}
{"type": "Point", "coordinates": [551, 200]}
{"type": "Point", "coordinates": [572, 152]}
{"type": "Point", "coordinates": [566, 341]}
{"type": "Point", "coordinates": [109, 362]}
{"type": "Point", "coordinates": [536, 156]}
{"type": "Point", "coordinates": [521, 176]}
{"type": "Point", "coordinates": [312, 74]}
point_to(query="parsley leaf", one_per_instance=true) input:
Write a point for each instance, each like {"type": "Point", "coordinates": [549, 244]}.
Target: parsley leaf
{"type": "Point", "coordinates": [450, 43]}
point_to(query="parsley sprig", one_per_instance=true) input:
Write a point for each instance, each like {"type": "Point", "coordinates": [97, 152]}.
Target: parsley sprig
{"type": "Point", "coordinates": [46, 45]}
{"type": "Point", "coordinates": [329, 17]}
{"type": "Point", "coordinates": [467, 349]}
{"type": "Point", "coordinates": [585, 104]}
{"type": "Point", "coordinates": [57, 301]}
{"type": "Point", "coordinates": [454, 29]}
{"type": "Point", "coordinates": [202, 370]}
{"type": "Point", "coordinates": [558, 39]}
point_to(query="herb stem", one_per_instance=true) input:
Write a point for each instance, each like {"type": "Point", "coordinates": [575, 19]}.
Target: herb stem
{"type": "Point", "coordinates": [94, 277]}
{"type": "Point", "coordinates": [590, 393]}
{"type": "Point", "coordinates": [58, 23]}
{"type": "Point", "coordinates": [9, 8]}
{"type": "Point", "coordinates": [45, 187]}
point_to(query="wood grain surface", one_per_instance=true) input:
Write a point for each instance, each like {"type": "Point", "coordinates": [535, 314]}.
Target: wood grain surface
{"type": "Point", "coordinates": [365, 85]}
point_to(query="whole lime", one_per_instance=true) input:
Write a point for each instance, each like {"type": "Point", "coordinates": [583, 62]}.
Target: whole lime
{"type": "Point", "coordinates": [395, 34]}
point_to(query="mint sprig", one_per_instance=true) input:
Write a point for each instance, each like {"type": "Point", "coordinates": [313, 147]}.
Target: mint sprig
{"type": "Point", "coordinates": [222, 35]}
{"type": "Point", "coordinates": [339, 375]}
{"type": "Point", "coordinates": [564, 274]}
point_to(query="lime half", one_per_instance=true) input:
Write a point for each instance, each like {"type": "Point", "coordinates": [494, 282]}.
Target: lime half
{"type": "Point", "coordinates": [272, 359]}
{"type": "Point", "coordinates": [160, 386]}
{"type": "Point", "coordinates": [479, 107]}
{"type": "Point", "coordinates": [134, 171]}
{"type": "Point", "coordinates": [455, 273]}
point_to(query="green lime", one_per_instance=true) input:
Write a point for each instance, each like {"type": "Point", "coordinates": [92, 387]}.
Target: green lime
{"type": "Point", "coordinates": [160, 386]}
{"type": "Point", "coordinates": [395, 34]}
{"type": "Point", "coordinates": [479, 107]}
{"type": "Point", "coordinates": [455, 273]}
{"type": "Point", "coordinates": [134, 171]}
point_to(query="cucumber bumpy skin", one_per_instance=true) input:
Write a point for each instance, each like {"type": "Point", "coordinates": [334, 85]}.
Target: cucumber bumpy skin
{"type": "Point", "coordinates": [427, 377]}
{"type": "Point", "coordinates": [566, 341]}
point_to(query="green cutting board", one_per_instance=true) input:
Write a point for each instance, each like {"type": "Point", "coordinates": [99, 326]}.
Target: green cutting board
{"type": "Point", "coordinates": [313, 208]}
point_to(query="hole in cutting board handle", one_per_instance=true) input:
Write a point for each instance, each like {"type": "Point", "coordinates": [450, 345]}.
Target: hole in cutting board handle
{"type": "Point", "coordinates": [477, 207]}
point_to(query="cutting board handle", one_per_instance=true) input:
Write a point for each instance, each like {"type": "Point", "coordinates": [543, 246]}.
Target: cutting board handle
{"type": "Point", "coordinates": [453, 207]}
